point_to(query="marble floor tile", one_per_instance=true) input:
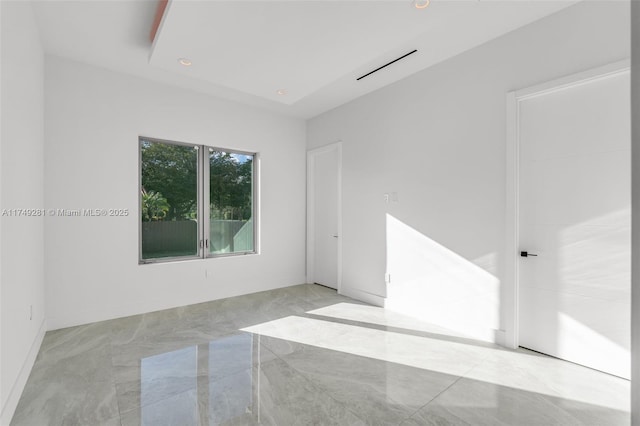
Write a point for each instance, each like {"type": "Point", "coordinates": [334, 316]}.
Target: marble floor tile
{"type": "Point", "coordinates": [255, 387]}
{"type": "Point", "coordinates": [302, 355]}
{"type": "Point", "coordinates": [534, 372]}
{"type": "Point", "coordinates": [180, 409]}
{"type": "Point", "coordinates": [99, 406]}
{"type": "Point", "coordinates": [53, 400]}
{"type": "Point", "coordinates": [227, 398]}
{"type": "Point", "coordinates": [263, 307]}
{"type": "Point", "coordinates": [158, 377]}
{"type": "Point", "coordinates": [443, 356]}
{"type": "Point", "coordinates": [379, 392]}
{"type": "Point", "coordinates": [72, 387]}
{"type": "Point", "coordinates": [379, 316]}
{"type": "Point", "coordinates": [46, 403]}
{"type": "Point", "coordinates": [72, 340]}
{"type": "Point", "coordinates": [169, 326]}
{"type": "Point", "coordinates": [318, 296]}
{"type": "Point", "coordinates": [126, 354]}
{"type": "Point", "coordinates": [288, 398]}
{"type": "Point", "coordinates": [473, 402]}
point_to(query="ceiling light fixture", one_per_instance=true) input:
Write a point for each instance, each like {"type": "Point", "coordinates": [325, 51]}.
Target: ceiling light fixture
{"type": "Point", "coordinates": [281, 92]}
{"type": "Point", "coordinates": [184, 61]}
{"type": "Point", "coordinates": [421, 4]}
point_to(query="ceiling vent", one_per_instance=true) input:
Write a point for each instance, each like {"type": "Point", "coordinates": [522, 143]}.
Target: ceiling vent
{"type": "Point", "coordinates": [387, 64]}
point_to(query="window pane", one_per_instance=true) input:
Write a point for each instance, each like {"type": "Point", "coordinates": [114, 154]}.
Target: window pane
{"type": "Point", "coordinates": [169, 197]}
{"type": "Point", "coordinates": [231, 202]}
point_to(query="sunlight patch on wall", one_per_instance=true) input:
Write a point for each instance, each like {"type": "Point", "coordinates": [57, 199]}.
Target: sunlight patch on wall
{"type": "Point", "coordinates": [578, 334]}
{"type": "Point", "coordinates": [594, 283]}
{"type": "Point", "coordinates": [435, 284]}
{"type": "Point", "coordinates": [575, 296]}
{"type": "Point", "coordinates": [595, 257]}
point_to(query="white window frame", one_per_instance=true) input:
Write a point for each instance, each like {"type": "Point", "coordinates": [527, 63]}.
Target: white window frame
{"type": "Point", "coordinates": [203, 201]}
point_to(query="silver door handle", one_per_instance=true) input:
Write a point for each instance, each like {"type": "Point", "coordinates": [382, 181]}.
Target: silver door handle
{"type": "Point", "coordinates": [335, 235]}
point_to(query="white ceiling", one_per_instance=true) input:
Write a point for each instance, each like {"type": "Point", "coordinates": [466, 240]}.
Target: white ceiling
{"type": "Point", "coordinates": [247, 50]}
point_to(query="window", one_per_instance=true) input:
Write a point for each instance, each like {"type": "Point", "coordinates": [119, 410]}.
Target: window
{"type": "Point", "coordinates": [195, 201]}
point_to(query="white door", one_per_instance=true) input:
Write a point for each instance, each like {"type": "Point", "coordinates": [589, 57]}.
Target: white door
{"type": "Point", "coordinates": [575, 215]}
{"type": "Point", "coordinates": [324, 165]}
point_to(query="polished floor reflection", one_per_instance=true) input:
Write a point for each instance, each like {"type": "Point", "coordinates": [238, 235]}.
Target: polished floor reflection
{"type": "Point", "coordinates": [302, 355]}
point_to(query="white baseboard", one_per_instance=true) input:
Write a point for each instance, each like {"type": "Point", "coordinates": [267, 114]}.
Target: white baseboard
{"type": "Point", "coordinates": [18, 386]}
{"type": "Point", "coordinates": [363, 296]}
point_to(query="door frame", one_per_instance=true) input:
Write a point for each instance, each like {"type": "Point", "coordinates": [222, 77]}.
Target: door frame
{"type": "Point", "coordinates": [512, 272]}
{"type": "Point", "coordinates": [311, 250]}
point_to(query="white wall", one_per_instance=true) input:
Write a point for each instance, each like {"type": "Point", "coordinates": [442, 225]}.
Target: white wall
{"type": "Point", "coordinates": [635, 217]}
{"type": "Point", "coordinates": [438, 139]}
{"type": "Point", "coordinates": [21, 187]}
{"type": "Point", "coordinates": [93, 118]}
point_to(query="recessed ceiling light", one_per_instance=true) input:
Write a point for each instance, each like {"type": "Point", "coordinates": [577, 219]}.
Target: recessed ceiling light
{"type": "Point", "coordinates": [421, 4]}
{"type": "Point", "coordinates": [184, 61]}
{"type": "Point", "coordinates": [281, 92]}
